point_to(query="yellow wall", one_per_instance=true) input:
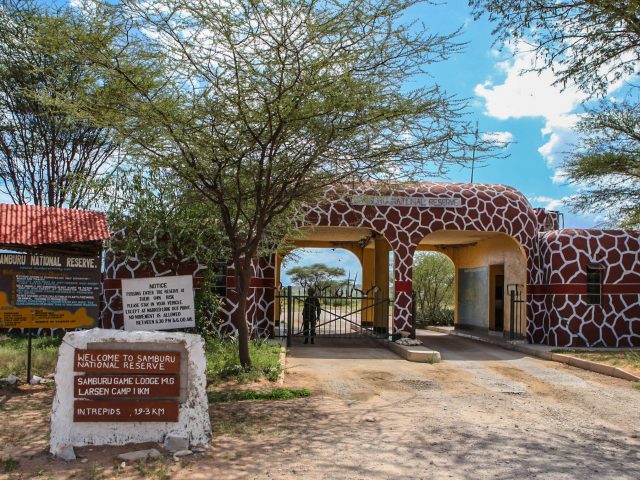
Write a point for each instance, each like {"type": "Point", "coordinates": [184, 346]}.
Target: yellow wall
{"type": "Point", "coordinates": [494, 253]}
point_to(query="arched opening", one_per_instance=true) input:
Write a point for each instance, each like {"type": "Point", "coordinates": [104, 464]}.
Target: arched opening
{"type": "Point", "coordinates": [489, 282]}
{"type": "Point", "coordinates": [434, 289]}
{"type": "Point", "coordinates": [321, 268]}
{"type": "Point", "coordinates": [348, 270]}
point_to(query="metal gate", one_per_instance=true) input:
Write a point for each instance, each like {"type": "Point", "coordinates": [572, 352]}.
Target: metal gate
{"type": "Point", "coordinates": [344, 313]}
{"type": "Point", "coordinates": [516, 309]}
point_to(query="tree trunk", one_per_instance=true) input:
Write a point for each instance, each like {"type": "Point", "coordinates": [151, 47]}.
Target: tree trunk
{"type": "Point", "coordinates": [243, 286]}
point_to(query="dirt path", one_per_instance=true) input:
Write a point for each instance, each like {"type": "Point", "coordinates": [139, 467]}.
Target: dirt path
{"type": "Point", "coordinates": [484, 412]}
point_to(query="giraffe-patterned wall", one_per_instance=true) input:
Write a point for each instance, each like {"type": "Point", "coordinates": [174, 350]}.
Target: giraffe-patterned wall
{"type": "Point", "coordinates": [557, 313]}
{"type": "Point", "coordinates": [570, 320]}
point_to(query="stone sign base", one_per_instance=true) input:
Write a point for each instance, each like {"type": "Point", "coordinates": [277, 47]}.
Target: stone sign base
{"type": "Point", "coordinates": [192, 425]}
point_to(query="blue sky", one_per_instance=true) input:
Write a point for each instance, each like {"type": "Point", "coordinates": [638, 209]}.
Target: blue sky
{"type": "Point", "coordinates": [524, 108]}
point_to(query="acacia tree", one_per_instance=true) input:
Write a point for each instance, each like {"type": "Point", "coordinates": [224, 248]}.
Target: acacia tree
{"type": "Point", "coordinates": [592, 44]}
{"type": "Point", "coordinates": [589, 43]}
{"type": "Point", "coordinates": [49, 155]}
{"type": "Point", "coordinates": [609, 163]}
{"type": "Point", "coordinates": [317, 275]}
{"type": "Point", "coordinates": [262, 105]}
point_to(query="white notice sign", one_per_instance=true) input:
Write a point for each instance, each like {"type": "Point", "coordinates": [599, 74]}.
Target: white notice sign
{"type": "Point", "coordinates": [158, 303]}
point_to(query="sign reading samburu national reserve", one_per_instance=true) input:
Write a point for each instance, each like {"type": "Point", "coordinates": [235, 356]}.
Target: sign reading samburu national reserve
{"type": "Point", "coordinates": [49, 290]}
{"type": "Point", "coordinates": [391, 201]}
{"type": "Point", "coordinates": [159, 303]}
{"type": "Point", "coordinates": [126, 386]}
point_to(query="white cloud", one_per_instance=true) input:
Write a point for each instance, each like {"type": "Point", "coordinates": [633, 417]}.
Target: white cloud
{"type": "Point", "coordinates": [500, 137]}
{"type": "Point", "coordinates": [548, 203]}
{"type": "Point", "coordinates": [526, 94]}
{"type": "Point", "coordinates": [559, 176]}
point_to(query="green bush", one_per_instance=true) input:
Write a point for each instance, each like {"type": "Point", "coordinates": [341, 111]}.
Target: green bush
{"type": "Point", "coordinates": [223, 362]}
{"type": "Point", "coordinates": [273, 394]}
{"type": "Point", "coordinates": [436, 317]}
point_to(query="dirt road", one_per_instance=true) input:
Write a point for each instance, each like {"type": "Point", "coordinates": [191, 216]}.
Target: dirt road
{"type": "Point", "coordinates": [482, 413]}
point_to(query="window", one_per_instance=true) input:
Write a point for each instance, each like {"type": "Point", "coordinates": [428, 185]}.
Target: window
{"type": "Point", "coordinates": [594, 283]}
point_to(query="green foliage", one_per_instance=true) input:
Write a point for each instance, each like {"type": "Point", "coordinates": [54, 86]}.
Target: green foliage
{"type": "Point", "coordinates": [51, 152]}
{"type": "Point", "coordinates": [9, 465]}
{"type": "Point", "coordinates": [273, 394]}
{"type": "Point", "coordinates": [433, 283]}
{"type": "Point", "coordinates": [223, 362]}
{"type": "Point", "coordinates": [259, 106]}
{"type": "Point", "coordinates": [163, 219]}
{"type": "Point", "coordinates": [607, 167]}
{"type": "Point", "coordinates": [317, 275]}
{"type": "Point", "coordinates": [592, 44]}
{"type": "Point", "coordinates": [13, 355]}
{"type": "Point", "coordinates": [586, 42]}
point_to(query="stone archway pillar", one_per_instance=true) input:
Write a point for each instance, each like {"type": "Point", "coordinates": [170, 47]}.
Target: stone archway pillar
{"type": "Point", "coordinates": [403, 287]}
{"type": "Point", "coordinates": [381, 315]}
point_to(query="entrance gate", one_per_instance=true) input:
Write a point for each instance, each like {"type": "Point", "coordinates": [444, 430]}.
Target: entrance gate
{"type": "Point", "coordinates": [517, 307]}
{"type": "Point", "coordinates": [345, 312]}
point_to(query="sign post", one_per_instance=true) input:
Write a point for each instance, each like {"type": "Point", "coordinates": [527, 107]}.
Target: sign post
{"type": "Point", "coordinates": [48, 290]}
{"type": "Point", "coordinates": [115, 388]}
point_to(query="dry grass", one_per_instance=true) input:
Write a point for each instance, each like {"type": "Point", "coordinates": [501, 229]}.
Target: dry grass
{"type": "Point", "coordinates": [13, 355]}
{"type": "Point", "coordinates": [626, 360]}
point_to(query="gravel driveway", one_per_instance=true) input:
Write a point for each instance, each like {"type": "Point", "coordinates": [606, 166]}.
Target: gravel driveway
{"type": "Point", "coordinates": [484, 412]}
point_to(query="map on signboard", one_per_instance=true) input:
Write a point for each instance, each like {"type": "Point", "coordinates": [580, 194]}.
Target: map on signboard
{"type": "Point", "coordinates": [158, 303]}
{"type": "Point", "coordinates": [49, 290]}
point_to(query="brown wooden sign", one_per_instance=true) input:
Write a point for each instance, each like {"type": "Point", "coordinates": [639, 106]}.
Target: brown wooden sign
{"type": "Point", "coordinates": [126, 361]}
{"type": "Point", "coordinates": [125, 411]}
{"type": "Point", "coordinates": [119, 386]}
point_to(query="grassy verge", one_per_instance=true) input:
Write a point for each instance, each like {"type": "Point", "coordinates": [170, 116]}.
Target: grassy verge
{"type": "Point", "coordinates": [223, 364]}
{"type": "Point", "coordinates": [13, 355]}
{"type": "Point", "coordinates": [273, 394]}
{"type": "Point", "coordinates": [621, 359]}
{"type": "Point", "coordinates": [222, 358]}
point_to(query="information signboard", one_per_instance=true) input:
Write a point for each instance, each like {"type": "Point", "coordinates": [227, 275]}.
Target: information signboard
{"type": "Point", "coordinates": [49, 290]}
{"type": "Point", "coordinates": [158, 303]}
{"type": "Point", "coordinates": [126, 386]}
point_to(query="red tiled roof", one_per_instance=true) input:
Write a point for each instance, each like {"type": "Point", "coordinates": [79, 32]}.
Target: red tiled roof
{"type": "Point", "coordinates": [31, 225]}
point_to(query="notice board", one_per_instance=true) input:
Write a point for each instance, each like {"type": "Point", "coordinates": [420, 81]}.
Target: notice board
{"type": "Point", "coordinates": [158, 303]}
{"type": "Point", "coordinates": [49, 290]}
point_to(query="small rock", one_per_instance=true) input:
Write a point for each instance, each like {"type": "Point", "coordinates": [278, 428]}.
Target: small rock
{"type": "Point", "coordinates": [35, 380]}
{"type": "Point", "coordinates": [183, 453]}
{"type": "Point", "coordinates": [176, 459]}
{"type": "Point", "coordinates": [634, 435]}
{"type": "Point", "coordinates": [176, 441]}
{"type": "Point", "coordinates": [139, 455]}
{"type": "Point", "coordinates": [370, 419]}
{"type": "Point", "coordinates": [11, 379]}
{"type": "Point", "coordinates": [84, 460]}
{"type": "Point", "coordinates": [409, 342]}
{"type": "Point", "coordinates": [123, 465]}
{"type": "Point", "coordinates": [67, 453]}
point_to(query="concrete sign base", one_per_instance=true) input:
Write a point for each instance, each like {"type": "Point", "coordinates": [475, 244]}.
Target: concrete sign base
{"type": "Point", "coordinates": [193, 411]}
